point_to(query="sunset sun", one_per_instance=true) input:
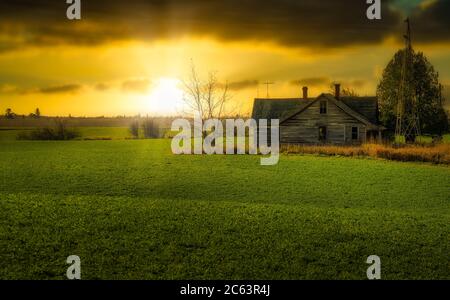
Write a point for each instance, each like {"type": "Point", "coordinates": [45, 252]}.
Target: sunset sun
{"type": "Point", "coordinates": [166, 96]}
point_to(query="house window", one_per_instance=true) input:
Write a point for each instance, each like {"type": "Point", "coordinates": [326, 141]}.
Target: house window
{"type": "Point", "coordinates": [322, 133]}
{"type": "Point", "coordinates": [355, 133]}
{"type": "Point", "coordinates": [323, 107]}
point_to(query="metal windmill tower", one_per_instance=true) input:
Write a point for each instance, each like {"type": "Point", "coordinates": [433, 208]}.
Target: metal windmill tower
{"type": "Point", "coordinates": [407, 124]}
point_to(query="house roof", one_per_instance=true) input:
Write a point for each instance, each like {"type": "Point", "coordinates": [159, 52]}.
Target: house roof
{"type": "Point", "coordinates": [366, 106]}
{"type": "Point", "coordinates": [364, 109]}
{"type": "Point", "coordinates": [277, 108]}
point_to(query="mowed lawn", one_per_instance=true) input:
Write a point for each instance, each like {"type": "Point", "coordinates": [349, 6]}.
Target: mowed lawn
{"type": "Point", "coordinates": [132, 210]}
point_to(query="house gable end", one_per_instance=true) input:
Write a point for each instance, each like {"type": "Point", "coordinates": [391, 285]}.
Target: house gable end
{"type": "Point", "coordinates": [341, 105]}
{"type": "Point", "coordinates": [321, 96]}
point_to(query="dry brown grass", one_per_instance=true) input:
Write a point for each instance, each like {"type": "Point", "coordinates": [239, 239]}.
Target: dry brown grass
{"type": "Point", "coordinates": [438, 154]}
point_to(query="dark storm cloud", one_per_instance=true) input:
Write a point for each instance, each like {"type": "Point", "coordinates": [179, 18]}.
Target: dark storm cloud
{"type": "Point", "coordinates": [432, 23]}
{"type": "Point", "coordinates": [308, 23]}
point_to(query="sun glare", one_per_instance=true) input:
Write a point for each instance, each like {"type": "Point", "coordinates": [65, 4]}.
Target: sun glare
{"type": "Point", "coordinates": [166, 97]}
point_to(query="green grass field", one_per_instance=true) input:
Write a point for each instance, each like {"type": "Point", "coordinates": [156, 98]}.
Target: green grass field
{"type": "Point", "coordinates": [132, 210]}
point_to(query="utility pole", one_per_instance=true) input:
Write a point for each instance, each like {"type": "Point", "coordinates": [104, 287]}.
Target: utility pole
{"type": "Point", "coordinates": [267, 83]}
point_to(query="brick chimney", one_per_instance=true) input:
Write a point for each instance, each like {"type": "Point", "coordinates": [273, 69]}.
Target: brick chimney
{"type": "Point", "coordinates": [337, 93]}
{"type": "Point", "coordinates": [305, 92]}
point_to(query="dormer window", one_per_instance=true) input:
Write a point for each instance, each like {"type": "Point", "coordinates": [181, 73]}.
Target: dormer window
{"type": "Point", "coordinates": [323, 107]}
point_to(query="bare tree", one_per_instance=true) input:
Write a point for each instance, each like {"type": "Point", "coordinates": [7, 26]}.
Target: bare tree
{"type": "Point", "coordinates": [349, 92]}
{"type": "Point", "coordinates": [134, 129]}
{"type": "Point", "coordinates": [150, 129]}
{"type": "Point", "coordinates": [208, 98]}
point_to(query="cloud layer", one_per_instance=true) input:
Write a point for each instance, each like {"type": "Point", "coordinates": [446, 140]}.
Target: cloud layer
{"type": "Point", "coordinates": [69, 88]}
{"type": "Point", "coordinates": [291, 23]}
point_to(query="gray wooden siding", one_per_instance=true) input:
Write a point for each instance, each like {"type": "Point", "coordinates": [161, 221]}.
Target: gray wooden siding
{"type": "Point", "coordinates": [304, 127]}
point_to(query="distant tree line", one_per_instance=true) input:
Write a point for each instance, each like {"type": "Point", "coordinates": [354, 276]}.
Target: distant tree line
{"type": "Point", "coordinates": [9, 114]}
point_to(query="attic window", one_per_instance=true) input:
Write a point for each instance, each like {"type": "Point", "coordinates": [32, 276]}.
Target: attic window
{"type": "Point", "coordinates": [323, 107]}
{"type": "Point", "coordinates": [355, 133]}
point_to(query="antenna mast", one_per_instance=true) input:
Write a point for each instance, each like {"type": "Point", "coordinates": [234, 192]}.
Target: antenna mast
{"type": "Point", "coordinates": [267, 83]}
{"type": "Point", "coordinates": [407, 124]}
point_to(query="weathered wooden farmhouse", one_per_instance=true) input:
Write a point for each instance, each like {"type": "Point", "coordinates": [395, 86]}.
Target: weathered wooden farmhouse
{"type": "Point", "coordinates": [328, 118]}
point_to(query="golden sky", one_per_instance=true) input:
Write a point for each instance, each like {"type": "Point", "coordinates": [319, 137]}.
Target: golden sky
{"type": "Point", "coordinates": [127, 60]}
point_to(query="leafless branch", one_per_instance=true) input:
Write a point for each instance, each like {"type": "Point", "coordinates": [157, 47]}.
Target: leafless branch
{"type": "Point", "coordinates": [208, 98]}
